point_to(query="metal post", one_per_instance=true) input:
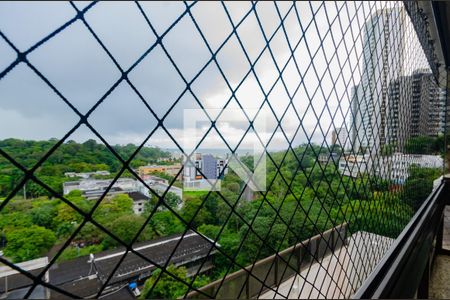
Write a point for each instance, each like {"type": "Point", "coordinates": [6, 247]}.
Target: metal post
{"type": "Point", "coordinates": [446, 117]}
{"type": "Point", "coordinates": [424, 285]}
{"type": "Point", "coordinates": [276, 270]}
{"type": "Point", "coordinates": [439, 236]}
{"type": "Point", "coordinates": [47, 290]}
{"type": "Point", "coordinates": [247, 287]}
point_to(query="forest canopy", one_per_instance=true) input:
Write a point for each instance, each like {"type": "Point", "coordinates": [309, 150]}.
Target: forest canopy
{"type": "Point", "coordinates": [68, 157]}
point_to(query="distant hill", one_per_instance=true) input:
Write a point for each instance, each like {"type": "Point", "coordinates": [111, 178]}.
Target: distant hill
{"type": "Point", "coordinates": [69, 157]}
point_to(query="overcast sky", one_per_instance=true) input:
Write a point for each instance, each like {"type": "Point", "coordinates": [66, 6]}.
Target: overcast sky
{"type": "Point", "coordinates": [78, 67]}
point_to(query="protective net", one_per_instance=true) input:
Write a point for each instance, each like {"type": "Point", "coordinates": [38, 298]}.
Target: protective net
{"type": "Point", "coordinates": [114, 114]}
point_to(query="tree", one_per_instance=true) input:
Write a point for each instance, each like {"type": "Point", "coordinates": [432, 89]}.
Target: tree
{"type": "Point", "coordinates": [125, 228]}
{"type": "Point", "coordinates": [112, 209]}
{"type": "Point", "coordinates": [234, 187]}
{"type": "Point", "coordinates": [336, 148]}
{"type": "Point", "coordinates": [44, 215]}
{"type": "Point", "coordinates": [68, 157]}
{"type": "Point", "coordinates": [228, 242]}
{"type": "Point", "coordinates": [425, 145]}
{"type": "Point", "coordinates": [203, 216]}
{"type": "Point", "coordinates": [384, 215]}
{"type": "Point", "coordinates": [28, 243]}
{"type": "Point", "coordinates": [13, 220]}
{"type": "Point", "coordinates": [172, 200]}
{"type": "Point", "coordinates": [165, 223]}
{"type": "Point", "coordinates": [90, 235]}
{"type": "Point", "coordinates": [17, 205]}
{"type": "Point", "coordinates": [419, 185]}
{"type": "Point", "coordinates": [121, 204]}
{"type": "Point", "coordinates": [253, 243]}
{"type": "Point", "coordinates": [66, 217]}
{"type": "Point", "coordinates": [168, 287]}
{"type": "Point", "coordinates": [67, 214]}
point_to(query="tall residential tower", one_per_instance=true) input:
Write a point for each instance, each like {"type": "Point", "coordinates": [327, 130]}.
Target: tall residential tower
{"type": "Point", "coordinates": [382, 62]}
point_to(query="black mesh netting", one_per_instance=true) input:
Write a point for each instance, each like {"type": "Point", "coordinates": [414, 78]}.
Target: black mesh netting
{"type": "Point", "coordinates": [351, 142]}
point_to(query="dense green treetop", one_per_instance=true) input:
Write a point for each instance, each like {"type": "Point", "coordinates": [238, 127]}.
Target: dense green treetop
{"type": "Point", "coordinates": [69, 157]}
{"type": "Point", "coordinates": [303, 199]}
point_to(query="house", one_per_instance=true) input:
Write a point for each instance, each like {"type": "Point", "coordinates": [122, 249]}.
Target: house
{"type": "Point", "coordinates": [354, 165]}
{"type": "Point", "coordinates": [328, 158]}
{"type": "Point", "coordinates": [171, 170]}
{"type": "Point", "coordinates": [139, 201]}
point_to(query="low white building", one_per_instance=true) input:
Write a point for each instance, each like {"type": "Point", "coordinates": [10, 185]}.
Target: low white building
{"type": "Point", "coordinates": [94, 189]}
{"type": "Point", "coordinates": [396, 166]}
{"type": "Point", "coordinates": [326, 159]}
{"type": "Point", "coordinates": [126, 184]}
{"type": "Point", "coordinates": [86, 175]}
{"type": "Point", "coordinates": [160, 186]}
{"type": "Point", "coordinates": [139, 201]}
{"type": "Point", "coordinates": [150, 179]}
{"type": "Point", "coordinates": [354, 165]}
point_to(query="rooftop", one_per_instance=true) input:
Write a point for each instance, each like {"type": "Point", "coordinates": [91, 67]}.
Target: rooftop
{"type": "Point", "coordinates": [77, 276]}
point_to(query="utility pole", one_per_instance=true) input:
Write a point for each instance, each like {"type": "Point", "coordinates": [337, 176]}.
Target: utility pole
{"type": "Point", "coordinates": [25, 191]}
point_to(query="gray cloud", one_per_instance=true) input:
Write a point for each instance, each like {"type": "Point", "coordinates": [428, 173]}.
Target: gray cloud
{"type": "Point", "coordinates": [80, 69]}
